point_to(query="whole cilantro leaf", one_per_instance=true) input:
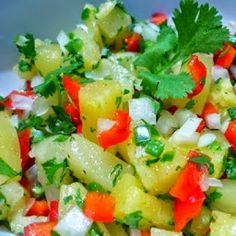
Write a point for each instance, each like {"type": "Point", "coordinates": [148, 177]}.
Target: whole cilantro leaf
{"type": "Point", "coordinates": [133, 219]}
{"type": "Point", "coordinates": [165, 86]}
{"type": "Point", "coordinates": [25, 45]}
{"type": "Point", "coordinates": [24, 66]}
{"type": "Point", "coordinates": [199, 28]}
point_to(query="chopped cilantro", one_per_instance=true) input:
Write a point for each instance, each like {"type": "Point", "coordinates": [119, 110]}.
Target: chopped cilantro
{"type": "Point", "coordinates": [115, 173]}
{"type": "Point", "coordinates": [133, 219]}
{"type": "Point", "coordinates": [37, 136]}
{"type": "Point", "coordinates": [6, 170]}
{"type": "Point", "coordinates": [190, 104]}
{"type": "Point", "coordinates": [165, 197]}
{"type": "Point", "coordinates": [118, 101]}
{"type": "Point", "coordinates": [203, 160]}
{"type": "Point", "coordinates": [38, 191]}
{"type": "Point", "coordinates": [52, 80]}
{"type": "Point", "coordinates": [78, 199]}
{"type": "Point", "coordinates": [92, 130]}
{"type": "Point", "coordinates": [51, 167]}
{"type": "Point", "coordinates": [85, 14]}
{"type": "Point", "coordinates": [215, 146]}
{"type": "Point", "coordinates": [231, 168]}
{"type": "Point", "coordinates": [212, 197]}
{"type": "Point", "coordinates": [24, 66]}
{"type": "Point", "coordinates": [25, 45]}
{"type": "Point", "coordinates": [232, 113]}
{"type": "Point", "coordinates": [30, 122]}
{"type": "Point", "coordinates": [74, 46]}
{"type": "Point", "coordinates": [168, 156]}
{"type": "Point", "coordinates": [94, 230]}
{"type": "Point", "coordinates": [54, 233]}
{"type": "Point", "coordinates": [61, 138]}
{"type": "Point", "coordinates": [94, 186]}
{"type": "Point", "coordinates": [67, 199]}
{"type": "Point", "coordinates": [126, 91]}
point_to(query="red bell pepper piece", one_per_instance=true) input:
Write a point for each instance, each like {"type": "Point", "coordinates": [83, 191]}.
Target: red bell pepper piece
{"type": "Point", "coordinates": [184, 211]}
{"type": "Point", "coordinates": [158, 18]}
{"type": "Point", "coordinates": [99, 207]}
{"type": "Point", "coordinates": [39, 208]}
{"type": "Point", "coordinates": [79, 129]}
{"type": "Point", "coordinates": [73, 112]}
{"type": "Point", "coordinates": [225, 56]}
{"type": "Point", "coordinates": [230, 134]}
{"type": "Point", "coordinates": [198, 72]}
{"type": "Point", "coordinates": [39, 229]}
{"type": "Point", "coordinates": [172, 109]}
{"type": "Point", "coordinates": [117, 133]}
{"type": "Point", "coordinates": [201, 126]}
{"type": "Point", "coordinates": [208, 109]}
{"type": "Point", "coordinates": [72, 89]}
{"type": "Point", "coordinates": [187, 192]}
{"type": "Point", "coordinates": [53, 212]}
{"type": "Point", "coordinates": [132, 42]}
{"type": "Point", "coordinates": [145, 232]}
{"type": "Point", "coordinates": [24, 140]}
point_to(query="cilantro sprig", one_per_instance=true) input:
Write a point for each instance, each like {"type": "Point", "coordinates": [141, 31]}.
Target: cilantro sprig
{"type": "Point", "coordinates": [198, 30]}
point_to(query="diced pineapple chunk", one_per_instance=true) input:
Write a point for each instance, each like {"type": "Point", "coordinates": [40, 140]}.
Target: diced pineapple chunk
{"type": "Point", "coordinates": [48, 58]}
{"type": "Point", "coordinates": [226, 202]}
{"type": "Point", "coordinates": [222, 93]}
{"type": "Point", "coordinates": [90, 163]}
{"type": "Point", "coordinates": [90, 49]}
{"type": "Point", "coordinates": [200, 225]}
{"type": "Point", "coordinates": [162, 232]}
{"type": "Point", "coordinates": [68, 195]}
{"type": "Point", "coordinates": [223, 224]}
{"type": "Point", "coordinates": [9, 150]}
{"type": "Point", "coordinates": [98, 100]}
{"type": "Point", "coordinates": [112, 21]}
{"type": "Point", "coordinates": [116, 229]}
{"type": "Point", "coordinates": [53, 154]}
{"type": "Point", "coordinates": [131, 198]}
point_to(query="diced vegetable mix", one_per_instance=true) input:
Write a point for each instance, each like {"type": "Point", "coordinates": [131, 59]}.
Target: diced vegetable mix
{"type": "Point", "coordinates": [125, 127]}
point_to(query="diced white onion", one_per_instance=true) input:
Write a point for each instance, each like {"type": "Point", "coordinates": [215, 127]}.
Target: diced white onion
{"type": "Point", "coordinates": [219, 72]}
{"type": "Point", "coordinates": [22, 102]}
{"type": "Point", "coordinates": [142, 108]}
{"type": "Point", "coordinates": [206, 139]}
{"type": "Point", "coordinates": [14, 120]}
{"type": "Point", "coordinates": [104, 124]}
{"type": "Point", "coordinates": [74, 223]}
{"type": "Point", "coordinates": [187, 133]}
{"type": "Point", "coordinates": [166, 123]}
{"type": "Point", "coordinates": [62, 40]}
{"type": "Point", "coordinates": [204, 183]}
{"type": "Point", "coordinates": [213, 121]}
{"type": "Point", "coordinates": [140, 152]}
{"type": "Point", "coordinates": [148, 30]}
{"type": "Point", "coordinates": [233, 70]}
{"type": "Point", "coordinates": [182, 115]}
{"type": "Point", "coordinates": [224, 126]}
{"type": "Point", "coordinates": [83, 27]}
{"type": "Point", "coordinates": [51, 193]}
{"type": "Point", "coordinates": [36, 80]}
{"type": "Point", "coordinates": [213, 182]}
{"type": "Point", "coordinates": [134, 232]}
{"type": "Point", "coordinates": [40, 106]}
{"type": "Point", "coordinates": [163, 232]}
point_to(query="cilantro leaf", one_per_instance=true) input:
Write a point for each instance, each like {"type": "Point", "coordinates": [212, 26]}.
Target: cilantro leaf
{"type": "Point", "coordinates": [165, 86]}
{"type": "Point", "coordinates": [30, 122]}
{"type": "Point", "coordinates": [78, 199]}
{"type": "Point", "coordinates": [212, 197]}
{"type": "Point", "coordinates": [52, 80]}
{"type": "Point", "coordinates": [6, 170]}
{"type": "Point", "coordinates": [231, 168]}
{"type": "Point", "coordinates": [199, 28]}
{"type": "Point", "coordinates": [85, 14]}
{"type": "Point", "coordinates": [94, 186]}
{"type": "Point", "coordinates": [51, 167]}
{"type": "Point", "coordinates": [74, 46]}
{"type": "Point", "coordinates": [152, 57]}
{"type": "Point", "coordinates": [25, 45]}
{"type": "Point", "coordinates": [116, 171]}
{"type": "Point", "coordinates": [133, 219]}
{"type": "Point", "coordinates": [205, 161]}
{"type": "Point", "coordinates": [24, 66]}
